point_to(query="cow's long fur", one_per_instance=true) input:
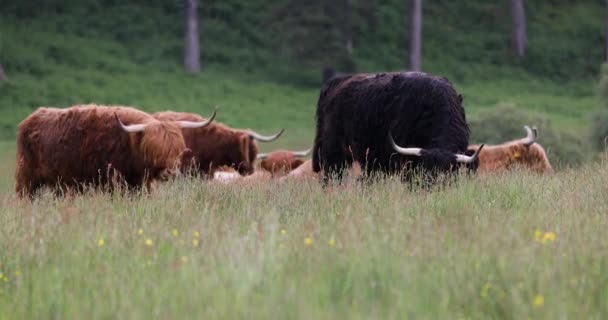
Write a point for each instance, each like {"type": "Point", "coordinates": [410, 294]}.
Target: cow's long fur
{"type": "Point", "coordinates": [513, 154]}
{"type": "Point", "coordinates": [355, 114]}
{"type": "Point", "coordinates": [85, 145]}
{"type": "Point", "coordinates": [216, 145]}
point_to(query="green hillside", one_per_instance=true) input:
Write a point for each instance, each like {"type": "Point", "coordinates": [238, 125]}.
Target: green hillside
{"type": "Point", "coordinates": [262, 59]}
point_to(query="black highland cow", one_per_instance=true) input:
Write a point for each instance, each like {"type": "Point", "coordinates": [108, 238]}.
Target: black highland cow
{"type": "Point", "coordinates": [358, 117]}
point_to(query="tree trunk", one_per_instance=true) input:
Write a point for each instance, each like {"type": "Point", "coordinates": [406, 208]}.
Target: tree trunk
{"type": "Point", "coordinates": [2, 74]}
{"type": "Point", "coordinates": [606, 32]}
{"type": "Point", "coordinates": [191, 50]}
{"type": "Point", "coordinates": [518, 36]}
{"type": "Point", "coordinates": [349, 27]}
{"type": "Point", "coordinates": [415, 34]}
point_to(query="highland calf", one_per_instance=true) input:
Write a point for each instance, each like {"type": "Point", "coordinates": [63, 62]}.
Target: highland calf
{"type": "Point", "coordinates": [356, 116]}
{"type": "Point", "coordinates": [217, 145]}
{"type": "Point", "coordinates": [522, 153]}
{"type": "Point", "coordinates": [282, 162]}
{"type": "Point", "coordinates": [89, 145]}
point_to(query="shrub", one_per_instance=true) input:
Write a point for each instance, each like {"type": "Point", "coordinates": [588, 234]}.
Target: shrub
{"type": "Point", "coordinates": [599, 130]}
{"type": "Point", "coordinates": [505, 122]}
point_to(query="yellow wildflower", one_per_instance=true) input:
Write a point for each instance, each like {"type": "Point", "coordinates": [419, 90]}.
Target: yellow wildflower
{"type": "Point", "coordinates": [175, 232]}
{"type": "Point", "coordinates": [283, 232]}
{"type": "Point", "coordinates": [100, 243]}
{"type": "Point", "coordinates": [549, 237]}
{"type": "Point", "coordinates": [308, 241]}
{"type": "Point", "coordinates": [17, 273]}
{"type": "Point", "coordinates": [140, 232]}
{"type": "Point", "coordinates": [485, 289]}
{"type": "Point", "coordinates": [149, 242]}
{"type": "Point", "coordinates": [184, 259]}
{"type": "Point", "coordinates": [197, 234]}
{"type": "Point", "coordinates": [195, 242]}
{"type": "Point", "coordinates": [539, 301]}
{"type": "Point", "coordinates": [331, 242]}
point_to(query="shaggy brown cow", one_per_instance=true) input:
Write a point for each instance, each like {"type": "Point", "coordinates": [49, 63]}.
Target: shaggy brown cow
{"type": "Point", "coordinates": [282, 162]}
{"type": "Point", "coordinates": [217, 145]}
{"type": "Point", "coordinates": [90, 145]}
{"type": "Point", "coordinates": [518, 153]}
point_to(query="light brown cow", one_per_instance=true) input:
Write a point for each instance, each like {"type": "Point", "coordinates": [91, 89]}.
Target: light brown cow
{"type": "Point", "coordinates": [91, 145]}
{"type": "Point", "coordinates": [282, 162]}
{"type": "Point", "coordinates": [525, 153]}
{"type": "Point", "coordinates": [217, 145]}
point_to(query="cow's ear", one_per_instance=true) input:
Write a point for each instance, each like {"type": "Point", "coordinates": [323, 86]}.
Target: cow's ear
{"type": "Point", "coordinates": [460, 99]}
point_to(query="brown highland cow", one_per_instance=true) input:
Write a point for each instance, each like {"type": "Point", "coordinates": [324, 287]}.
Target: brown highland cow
{"type": "Point", "coordinates": [89, 145]}
{"type": "Point", "coordinates": [217, 145]}
{"type": "Point", "coordinates": [525, 153]}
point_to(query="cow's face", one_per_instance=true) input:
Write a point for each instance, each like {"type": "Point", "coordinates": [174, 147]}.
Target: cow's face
{"type": "Point", "coordinates": [441, 160]}
{"type": "Point", "coordinates": [244, 154]}
{"type": "Point", "coordinates": [163, 149]}
{"type": "Point", "coordinates": [160, 145]}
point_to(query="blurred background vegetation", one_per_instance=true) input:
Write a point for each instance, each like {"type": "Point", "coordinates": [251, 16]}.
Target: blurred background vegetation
{"type": "Point", "coordinates": [261, 61]}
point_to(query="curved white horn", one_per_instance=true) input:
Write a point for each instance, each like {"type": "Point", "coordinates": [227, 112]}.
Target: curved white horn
{"type": "Point", "coordinates": [404, 151]}
{"type": "Point", "coordinates": [262, 138]}
{"type": "Point", "coordinates": [262, 156]}
{"type": "Point", "coordinates": [530, 137]}
{"type": "Point", "coordinates": [302, 153]}
{"type": "Point", "coordinates": [130, 128]}
{"type": "Point", "coordinates": [468, 159]}
{"type": "Point", "coordinates": [193, 124]}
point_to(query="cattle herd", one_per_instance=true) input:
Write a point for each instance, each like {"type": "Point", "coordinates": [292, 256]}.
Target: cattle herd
{"type": "Point", "coordinates": [401, 123]}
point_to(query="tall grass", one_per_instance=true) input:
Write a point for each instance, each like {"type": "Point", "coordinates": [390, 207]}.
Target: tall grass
{"type": "Point", "coordinates": [515, 245]}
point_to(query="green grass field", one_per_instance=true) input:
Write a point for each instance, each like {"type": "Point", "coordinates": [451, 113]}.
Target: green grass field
{"type": "Point", "coordinates": [507, 246]}
{"type": "Point", "coordinates": [515, 246]}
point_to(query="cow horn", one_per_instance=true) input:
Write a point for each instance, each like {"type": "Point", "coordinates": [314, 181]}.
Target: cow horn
{"type": "Point", "coordinates": [404, 151]}
{"type": "Point", "coordinates": [200, 124]}
{"type": "Point", "coordinates": [132, 127]}
{"type": "Point", "coordinates": [262, 156]}
{"type": "Point", "coordinates": [531, 136]}
{"type": "Point", "coordinates": [468, 159]}
{"type": "Point", "coordinates": [302, 153]}
{"type": "Point", "coordinates": [262, 138]}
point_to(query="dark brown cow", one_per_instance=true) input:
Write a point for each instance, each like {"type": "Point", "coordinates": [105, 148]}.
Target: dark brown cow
{"type": "Point", "coordinates": [282, 162]}
{"type": "Point", "coordinates": [525, 153]}
{"type": "Point", "coordinates": [90, 145]}
{"type": "Point", "coordinates": [217, 145]}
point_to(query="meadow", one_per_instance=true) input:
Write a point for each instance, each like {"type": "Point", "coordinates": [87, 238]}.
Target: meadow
{"type": "Point", "coordinates": [514, 245]}
{"type": "Point", "coordinates": [510, 246]}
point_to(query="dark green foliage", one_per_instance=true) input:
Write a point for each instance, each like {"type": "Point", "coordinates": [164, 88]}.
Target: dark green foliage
{"type": "Point", "coordinates": [505, 123]}
{"type": "Point", "coordinates": [289, 37]}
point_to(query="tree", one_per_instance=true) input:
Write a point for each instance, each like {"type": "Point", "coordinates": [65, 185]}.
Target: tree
{"type": "Point", "coordinates": [518, 34]}
{"type": "Point", "coordinates": [415, 34]}
{"type": "Point", "coordinates": [2, 74]}
{"type": "Point", "coordinates": [606, 33]}
{"type": "Point", "coordinates": [191, 50]}
{"type": "Point", "coordinates": [348, 32]}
